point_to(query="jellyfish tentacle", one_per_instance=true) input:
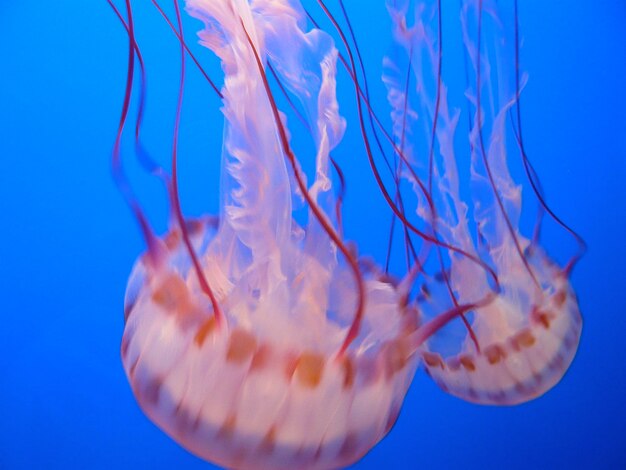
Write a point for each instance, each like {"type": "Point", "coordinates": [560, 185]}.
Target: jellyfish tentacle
{"type": "Point", "coordinates": [483, 152]}
{"type": "Point", "coordinates": [394, 169]}
{"type": "Point", "coordinates": [431, 163]}
{"type": "Point", "coordinates": [191, 54]}
{"type": "Point", "coordinates": [340, 195]}
{"type": "Point", "coordinates": [431, 151]}
{"type": "Point", "coordinates": [415, 178]}
{"type": "Point", "coordinates": [292, 105]}
{"type": "Point", "coordinates": [155, 246]}
{"type": "Point", "coordinates": [204, 285]}
{"type": "Point", "coordinates": [399, 165]}
{"type": "Point", "coordinates": [528, 167]}
{"type": "Point", "coordinates": [146, 161]}
{"type": "Point", "coordinates": [155, 249]}
{"type": "Point", "coordinates": [397, 208]}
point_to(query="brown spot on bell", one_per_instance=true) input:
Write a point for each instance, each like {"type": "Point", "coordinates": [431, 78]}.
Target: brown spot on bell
{"type": "Point", "coordinates": [241, 346]}
{"type": "Point", "coordinates": [433, 360]}
{"type": "Point", "coordinates": [494, 353]}
{"type": "Point", "coordinates": [309, 369]}
{"type": "Point", "coordinates": [468, 363]}
{"type": "Point", "coordinates": [204, 330]}
{"type": "Point", "coordinates": [523, 339]}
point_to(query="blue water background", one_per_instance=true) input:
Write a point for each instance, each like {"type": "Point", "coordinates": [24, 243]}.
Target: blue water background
{"type": "Point", "coordinates": [67, 241]}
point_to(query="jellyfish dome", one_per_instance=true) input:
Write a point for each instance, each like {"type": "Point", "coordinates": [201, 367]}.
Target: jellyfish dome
{"type": "Point", "coordinates": [274, 377]}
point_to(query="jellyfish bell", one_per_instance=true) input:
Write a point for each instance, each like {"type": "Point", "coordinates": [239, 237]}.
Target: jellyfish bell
{"type": "Point", "coordinates": [523, 340]}
{"type": "Point", "coordinates": [267, 389]}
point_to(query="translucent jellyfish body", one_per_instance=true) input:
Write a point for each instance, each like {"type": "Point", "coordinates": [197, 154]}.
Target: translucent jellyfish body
{"type": "Point", "coordinates": [522, 322]}
{"type": "Point", "coordinates": [268, 385]}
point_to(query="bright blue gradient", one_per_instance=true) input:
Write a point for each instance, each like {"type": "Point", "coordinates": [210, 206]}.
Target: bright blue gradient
{"type": "Point", "coordinates": [67, 240]}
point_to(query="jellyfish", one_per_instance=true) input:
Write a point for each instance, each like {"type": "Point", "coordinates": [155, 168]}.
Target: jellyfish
{"type": "Point", "coordinates": [258, 339]}
{"type": "Point", "coordinates": [241, 341]}
{"type": "Point", "coordinates": [522, 331]}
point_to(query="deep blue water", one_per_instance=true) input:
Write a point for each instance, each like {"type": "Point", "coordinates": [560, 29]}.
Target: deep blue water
{"type": "Point", "coordinates": [67, 240]}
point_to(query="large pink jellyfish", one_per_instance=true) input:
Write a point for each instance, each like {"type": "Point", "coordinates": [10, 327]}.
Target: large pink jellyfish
{"type": "Point", "coordinates": [256, 341]}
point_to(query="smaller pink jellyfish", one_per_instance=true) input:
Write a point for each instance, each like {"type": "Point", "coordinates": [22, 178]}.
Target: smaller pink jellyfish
{"type": "Point", "coordinates": [521, 335]}
{"type": "Point", "coordinates": [258, 341]}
